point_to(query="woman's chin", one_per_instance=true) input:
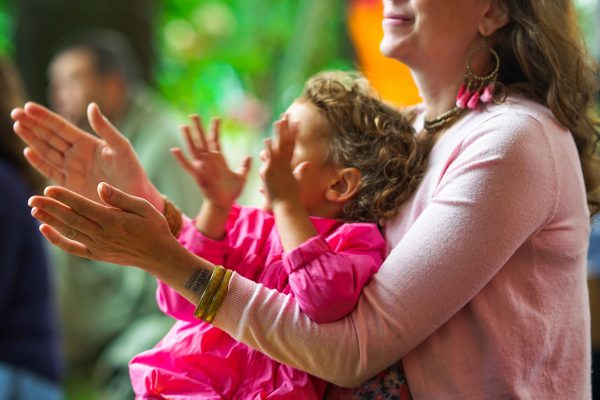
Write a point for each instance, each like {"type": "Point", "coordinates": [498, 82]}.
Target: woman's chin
{"type": "Point", "coordinates": [392, 48]}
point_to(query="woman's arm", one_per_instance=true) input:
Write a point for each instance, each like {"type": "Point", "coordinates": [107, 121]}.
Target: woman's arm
{"type": "Point", "coordinates": [169, 300]}
{"type": "Point", "coordinates": [496, 192]}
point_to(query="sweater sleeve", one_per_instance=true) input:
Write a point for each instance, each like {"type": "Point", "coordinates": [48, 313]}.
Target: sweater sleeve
{"type": "Point", "coordinates": [327, 276]}
{"type": "Point", "coordinates": [496, 190]}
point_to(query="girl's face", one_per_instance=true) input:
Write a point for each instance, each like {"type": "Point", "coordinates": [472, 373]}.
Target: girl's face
{"type": "Point", "coordinates": [425, 32]}
{"type": "Point", "coordinates": [311, 170]}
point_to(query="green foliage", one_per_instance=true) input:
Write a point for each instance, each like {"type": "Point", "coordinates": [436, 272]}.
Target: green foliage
{"type": "Point", "coordinates": [217, 54]}
{"type": "Point", "coordinates": [6, 28]}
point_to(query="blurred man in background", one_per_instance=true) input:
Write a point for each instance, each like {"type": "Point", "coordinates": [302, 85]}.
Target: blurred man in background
{"type": "Point", "coordinates": [108, 312]}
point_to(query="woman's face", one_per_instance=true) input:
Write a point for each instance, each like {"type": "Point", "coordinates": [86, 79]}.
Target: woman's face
{"type": "Point", "coordinates": [422, 32]}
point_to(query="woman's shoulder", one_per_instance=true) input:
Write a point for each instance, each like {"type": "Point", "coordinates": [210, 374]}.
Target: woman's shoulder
{"type": "Point", "coordinates": [516, 112]}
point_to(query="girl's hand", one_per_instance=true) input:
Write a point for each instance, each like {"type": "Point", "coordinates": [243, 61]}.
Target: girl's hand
{"type": "Point", "coordinates": [220, 185]}
{"type": "Point", "coordinates": [77, 160]}
{"type": "Point", "coordinates": [276, 172]}
{"type": "Point", "coordinates": [127, 230]}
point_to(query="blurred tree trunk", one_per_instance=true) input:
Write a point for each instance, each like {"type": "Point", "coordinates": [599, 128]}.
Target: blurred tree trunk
{"type": "Point", "coordinates": [41, 25]}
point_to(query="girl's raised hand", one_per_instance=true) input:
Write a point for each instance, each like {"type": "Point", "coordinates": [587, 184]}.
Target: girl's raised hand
{"type": "Point", "coordinates": [220, 185]}
{"type": "Point", "coordinates": [277, 156]}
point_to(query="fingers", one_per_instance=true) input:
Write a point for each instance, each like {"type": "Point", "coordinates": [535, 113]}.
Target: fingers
{"type": "Point", "coordinates": [268, 151]}
{"type": "Point", "coordinates": [43, 147]}
{"type": "Point", "coordinates": [78, 203]}
{"type": "Point", "coordinates": [195, 148]}
{"type": "Point", "coordinates": [62, 218]}
{"type": "Point", "coordinates": [286, 136]}
{"type": "Point", "coordinates": [199, 132]}
{"type": "Point", "coordinates": [48, 170]}
{"type": "Point", "coordinates": [63, 243]}
{"type": "Point", "coordinates": [117, 198]}
{"type": "Point", "coordinates": [183, 161]}
{"type": "Point", "coordinates": [30, 127]}
{"type": "Point", "coordinates": [104, 128]}
{"type": "Point", "coordinates": [55, 123]}
{"type": "Point", "coordinates": [215, 129]}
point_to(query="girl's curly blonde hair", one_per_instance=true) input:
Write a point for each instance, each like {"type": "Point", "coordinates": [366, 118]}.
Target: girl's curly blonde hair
{"type": "Point", "coordinates": [371, 136]}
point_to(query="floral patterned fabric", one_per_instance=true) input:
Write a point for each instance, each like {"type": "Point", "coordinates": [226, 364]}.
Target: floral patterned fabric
{"type": "Point", "coordinates": [389, 384]}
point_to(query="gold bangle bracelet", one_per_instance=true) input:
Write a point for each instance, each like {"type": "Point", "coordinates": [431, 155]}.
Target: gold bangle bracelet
{"type": "Point", "coordinates": [219, 296]}
{"type": "Point", "coordinates": [173, 216]}
{"type": "Point", "coordinates": [209, 291]}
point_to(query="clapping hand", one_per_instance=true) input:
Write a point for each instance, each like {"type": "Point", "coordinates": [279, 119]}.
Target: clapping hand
{"type": "Point", "coordinates": [77, 160]}
{"type": "Point", "coordinates": [124, 229]}
{"type": "Point", "coordinates": [220, 185]}
{"type": "Point", "coordinates": [276, 171]}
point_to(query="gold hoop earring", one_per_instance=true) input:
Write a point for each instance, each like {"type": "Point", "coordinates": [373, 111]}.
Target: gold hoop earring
{"type": "Point", "coordinates": [478, 89]}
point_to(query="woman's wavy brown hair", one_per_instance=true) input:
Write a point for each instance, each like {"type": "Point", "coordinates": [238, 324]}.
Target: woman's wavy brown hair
{"type": "Point", "coordinates": [544, 57]}
{"type": "Point", "coordinates": [371, 136]}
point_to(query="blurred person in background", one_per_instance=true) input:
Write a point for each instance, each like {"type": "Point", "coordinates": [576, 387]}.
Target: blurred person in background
{"type": "Point", "coordinates": [30, 365]}
{"type": "Point", "coordinates": [108, 313]}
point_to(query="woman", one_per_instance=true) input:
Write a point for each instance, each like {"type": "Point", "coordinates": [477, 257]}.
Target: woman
{"type": "Point", "coordinates": [30, 365]}
{"type": "Point", "coordinates": [484, 292]}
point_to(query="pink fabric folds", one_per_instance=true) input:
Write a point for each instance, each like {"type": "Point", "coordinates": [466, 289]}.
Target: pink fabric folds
{"type": "Point", "coordinates": [325, 274]}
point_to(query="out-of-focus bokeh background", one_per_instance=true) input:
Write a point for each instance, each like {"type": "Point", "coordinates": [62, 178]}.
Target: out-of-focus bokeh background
{"type": "Point", "coordinates": [242, 60]}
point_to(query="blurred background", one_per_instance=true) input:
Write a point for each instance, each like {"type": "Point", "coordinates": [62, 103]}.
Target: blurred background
{"type": "Point", "coordinates": [244, 61]}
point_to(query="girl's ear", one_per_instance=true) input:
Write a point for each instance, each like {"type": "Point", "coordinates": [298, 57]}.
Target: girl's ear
{"type": "Point", "coordinates": [345, 186]}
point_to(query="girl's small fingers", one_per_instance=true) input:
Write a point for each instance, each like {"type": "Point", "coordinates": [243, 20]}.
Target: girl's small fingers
{"type": "Point", "coordinates": [182, 160]}
{"type": "Point", "coordinates": [268, 148]}
{"type": "Point", "coordinates": [193, 146]}
{"type": "Point", "coordinates": [215, 130]}
{"type": "Point", "coordinates": [70, 246]}
{"type": "Point", "coordinates": [199, 131]}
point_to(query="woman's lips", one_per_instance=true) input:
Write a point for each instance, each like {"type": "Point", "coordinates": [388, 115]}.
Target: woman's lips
{"type": "Point", "coordinates": [394, 19]}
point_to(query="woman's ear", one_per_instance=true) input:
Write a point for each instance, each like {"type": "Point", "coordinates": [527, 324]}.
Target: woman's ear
{"type": "Point", "coordinates": [495, 18]}
{"type": "Point", "coordinates": [345, 186]}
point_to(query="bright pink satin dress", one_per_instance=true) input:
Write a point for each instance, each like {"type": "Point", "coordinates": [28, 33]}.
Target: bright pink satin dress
{"type": "Point", "coordinates": [325, 275]}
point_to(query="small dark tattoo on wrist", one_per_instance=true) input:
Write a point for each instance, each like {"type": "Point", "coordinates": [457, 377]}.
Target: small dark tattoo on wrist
{"type": "Point", "coordinates": [198, 281]}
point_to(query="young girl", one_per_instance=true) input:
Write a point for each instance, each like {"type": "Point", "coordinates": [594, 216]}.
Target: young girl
{"type": "Point", "coordinates": [341, 161]}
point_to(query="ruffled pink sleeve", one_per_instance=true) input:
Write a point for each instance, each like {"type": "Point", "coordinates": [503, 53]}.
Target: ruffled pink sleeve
{"type": "Point", "coordinates": [328, 275]}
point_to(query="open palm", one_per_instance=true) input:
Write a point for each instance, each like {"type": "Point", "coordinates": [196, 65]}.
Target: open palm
{"type": "Point", "coordinates": [77, 160]}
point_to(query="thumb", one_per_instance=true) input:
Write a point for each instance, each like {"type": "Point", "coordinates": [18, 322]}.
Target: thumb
{"type": "Point", "coordinates": [126, 202]}
{"type": "Point", "coordinates": [103, 127]}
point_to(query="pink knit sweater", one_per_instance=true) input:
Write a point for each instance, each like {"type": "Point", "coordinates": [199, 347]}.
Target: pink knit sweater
{"type": "Point", "coordinates": [483, 294]}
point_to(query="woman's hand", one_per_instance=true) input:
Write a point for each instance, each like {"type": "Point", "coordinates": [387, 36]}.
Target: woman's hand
{"type": "Point", "coordinates": [127, 230]}
{"type": "Point", "coordinates": [77, 160]}
{"type": "Point", "coordinates": [220, 185]}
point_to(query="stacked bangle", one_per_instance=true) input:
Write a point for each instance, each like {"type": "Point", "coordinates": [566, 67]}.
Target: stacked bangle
{"type": "Point", "coordinates": [173, 216]}
{"type": "Point", "coordinates": [213, 294]}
